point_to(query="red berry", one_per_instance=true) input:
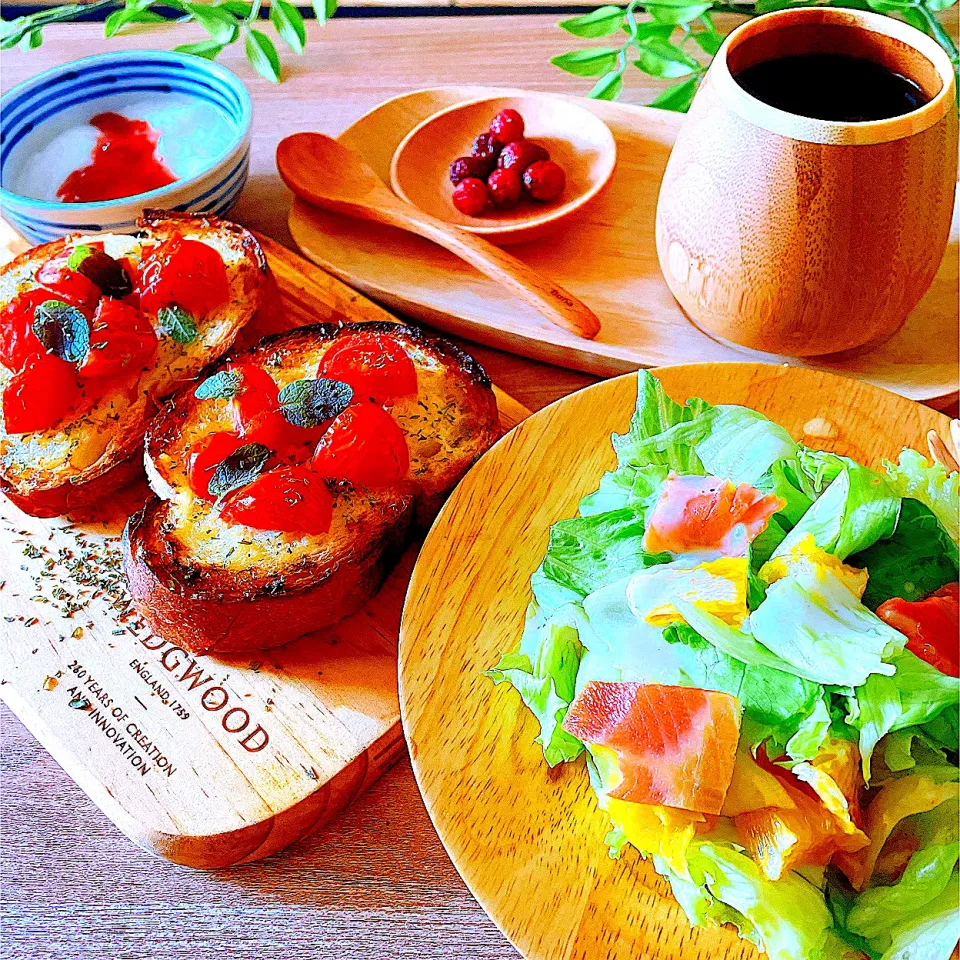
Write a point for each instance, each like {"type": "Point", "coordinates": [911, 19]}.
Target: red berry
{"type": "Point", "coordinates": [504, 187]}
{"type": "Point", "coordinates": [464, 167]}
{"type": "Point", "coordinates": [544, 181]}
{"type": "Point", "coordinates": [471, 197]}
{"type": "Point", "coordinates": [486, 149]}
{"type": "Point", "coordinates": [507, 126]}
{"type": "Point", "coordinates": [364, 445]}
{"type": "Point", "coordinates": [521, 153]}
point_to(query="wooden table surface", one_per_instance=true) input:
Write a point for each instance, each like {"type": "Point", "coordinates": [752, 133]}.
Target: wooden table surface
{"type": "Point", "coordinates": [377, 883]}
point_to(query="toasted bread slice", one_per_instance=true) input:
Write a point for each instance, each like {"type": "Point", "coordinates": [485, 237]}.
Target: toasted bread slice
{"type": "Point", "coordinates": [213, 586]}
{"type": "Point", "coordinates": [83, 458]}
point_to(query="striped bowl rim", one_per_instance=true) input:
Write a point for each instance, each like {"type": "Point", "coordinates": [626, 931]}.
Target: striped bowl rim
{"type": "Point", "coordinates": [188, 68]}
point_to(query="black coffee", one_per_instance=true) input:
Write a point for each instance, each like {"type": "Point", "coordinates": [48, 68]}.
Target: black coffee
{"type": "Point", "coordinates": [831, 86]}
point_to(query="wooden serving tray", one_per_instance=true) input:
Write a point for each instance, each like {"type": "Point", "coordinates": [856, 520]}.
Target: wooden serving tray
{"type": "Point", "coordinates": [205, 761]}
{"type": "Point", "coordinates": [606, 257]}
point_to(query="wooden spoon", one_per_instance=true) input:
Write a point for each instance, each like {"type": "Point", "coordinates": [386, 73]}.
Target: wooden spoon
{"type": "Point", "coordinates": [322, 171]}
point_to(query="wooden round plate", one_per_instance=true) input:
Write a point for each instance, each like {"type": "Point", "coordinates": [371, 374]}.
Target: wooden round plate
{"type": "Point", "coordinates": [574, 137]}
{"type": "Point", "coordinates": [529, 841]}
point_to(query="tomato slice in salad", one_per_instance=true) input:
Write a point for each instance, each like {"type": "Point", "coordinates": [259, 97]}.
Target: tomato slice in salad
{"type": "Point", "coordinates": [374, 364]}
{"type": "Point", "coordinates": [365, 446]}
{"type": "Point", "coordinates": [676, 745]}
{"type": "Point", "coordinates": [40, 395]}
{"type": "Point", "coordinates": [287, 499]}
{"type": "Point", "coordinates": [188, 273]}
{"type": "Point", "coordinates": [931, 626]}
{"type": "Point", "coordinates": [707, 513]}
{"type": "Point", "coordinates": [121, 340]}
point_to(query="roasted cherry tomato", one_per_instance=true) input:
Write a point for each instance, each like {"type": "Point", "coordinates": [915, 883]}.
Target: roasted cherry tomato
{"type": "Point", "coordinates": [40, 395]}
{"type": "Point", "coordinates": [256, 396]}
{"type": "Point", "coordinates": [288, 499]}
{"type": "Point", "coordinates": [211, 452]}
{"type": "Point", "coordinates": [68, 285]}
{"type": "Point", "coordinates": [364, 445]}
{"type": "Point", "coordinates": [188, 273]}
{"type": "Point", "coordinates": [931, 626]}
{"type": "Point", "coordinates": [18, 342]}
{"type": "Point", "coordinates": [121, 340]}
{"type": "Point", "coordinates": [374, 364]}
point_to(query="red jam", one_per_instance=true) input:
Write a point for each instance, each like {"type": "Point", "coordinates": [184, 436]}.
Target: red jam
{"type": "Point", "coordinates": [931, 626]}
{"type": "Point", "coordinates": [124, 163]}
{"type": "Point", "coordinates": [188, 273]}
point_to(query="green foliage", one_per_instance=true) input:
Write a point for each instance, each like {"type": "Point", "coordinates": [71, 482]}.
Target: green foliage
{"type": "Point", "coordinates": [224, 21]}
{"type": "Point", "coordinates": [680, 38]}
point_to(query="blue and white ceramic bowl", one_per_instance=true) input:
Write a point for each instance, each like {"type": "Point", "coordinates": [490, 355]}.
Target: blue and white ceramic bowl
{"type": "Point", "coordinates": [201, 110]}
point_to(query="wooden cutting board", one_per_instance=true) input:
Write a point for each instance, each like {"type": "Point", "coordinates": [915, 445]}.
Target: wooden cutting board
{"type": "Point", "coordinates": [207, 762]}
{"type": "Point", "coordinates": [529, 841]}
{"type": "Point", "coordinates": [606, 257]}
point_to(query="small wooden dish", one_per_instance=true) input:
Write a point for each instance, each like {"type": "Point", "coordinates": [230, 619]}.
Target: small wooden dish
{"type": "Point", "coordinates": [576, 139]}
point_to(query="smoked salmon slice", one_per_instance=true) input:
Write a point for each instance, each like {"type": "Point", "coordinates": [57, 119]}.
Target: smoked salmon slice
{"type": "Point", "coordinates": [707, 513]}
{"type": "Point", "coordinates": [676, 746]}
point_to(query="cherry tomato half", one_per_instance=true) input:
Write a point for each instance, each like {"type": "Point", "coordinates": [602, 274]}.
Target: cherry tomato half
{"type": "Point", "coordinates": [188, 273]}
{"type": "Point", "coordinates": [288, 499]}
{"type": "Point", "coordinates": [18, 342]}
{"type": "Point", "coordinates": [68, 285]}
{"type": "Point", "coordinates": [41, 395]}
{"type": "Point", "coordinates": [210, 453]}
{"type": "Point", "coordinates": [931, 626]}
{"type": "Point", "coordinates": [374, 364]}
{"type": "Point", "coordinates": [256, 397]}
{"type": "Point", "coordinates": [121, 340]}
{"type": "Point", "coordinates": [364, 445]}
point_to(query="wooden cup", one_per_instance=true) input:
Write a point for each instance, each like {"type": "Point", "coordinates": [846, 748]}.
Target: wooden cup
{"type": "Point", "coordinates": [801, 236]}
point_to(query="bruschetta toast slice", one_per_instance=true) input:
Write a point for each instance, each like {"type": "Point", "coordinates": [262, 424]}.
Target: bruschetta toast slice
{"type": "Point", "coordinates": [292, 476]}
{"type": "Point", "coordinates": [95, 330]}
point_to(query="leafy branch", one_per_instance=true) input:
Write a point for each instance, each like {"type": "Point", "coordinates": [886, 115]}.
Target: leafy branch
{"type": "Point", "coordinates": [224, 21]}
{"type": "Point", "coordinates": [680, 39]}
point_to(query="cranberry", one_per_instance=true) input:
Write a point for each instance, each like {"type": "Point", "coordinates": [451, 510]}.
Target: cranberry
{"type": "Point", "coordinates": [507, 126]}
{"type": "Point", "coordinates": [486, 149]}
{"type": "Point", "coordinates": [471, 197]}
{"type": "Point", "coordinates": [504, 187]}
{"type": "Point", "coordinates": [544, 180]}
{"type": "Point", "coordinates": [464, 167]}
{"type": "Point", "coordinates": [521, 153]}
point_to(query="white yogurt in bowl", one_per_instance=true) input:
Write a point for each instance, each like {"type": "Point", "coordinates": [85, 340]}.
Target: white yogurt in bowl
{"type": "Point", "coordinates": [193, 134]}
{"type": "Point", "coordinates": [200, 110]}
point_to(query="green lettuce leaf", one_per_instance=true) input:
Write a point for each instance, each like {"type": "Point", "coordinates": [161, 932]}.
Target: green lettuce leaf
{"type": "Point", "coordinates": [789, 916]}
{"type": "Point", "coordinates": [930, 933]}
{"type": "Point", "coordinates": [917, 559]}
{"type": "Point", "coordinates": [880, 909]}
{"type": "Point", "coordinates": [742, 444]}
{"type": "Point", "coordinates": [812, 621]}
{"type": "Point", "coordinates": [544, 673]}
{"type": "Point", "coordinates": [775, 702]}
{"type": "Point", "coordinates": [914, 476]}
{"type": "Point", "coordinates": [587, 553]}
{"type": "Point", "coordinates": [854, 512]}
{"type": "Point", "coordinates": [913, 695]}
